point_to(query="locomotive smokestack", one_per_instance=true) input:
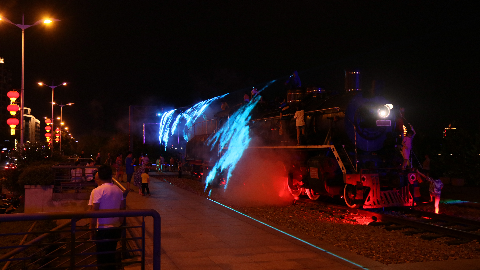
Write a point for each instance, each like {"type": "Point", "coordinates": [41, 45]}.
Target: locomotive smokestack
{"type": "Point", "coordinates": [352, 81]}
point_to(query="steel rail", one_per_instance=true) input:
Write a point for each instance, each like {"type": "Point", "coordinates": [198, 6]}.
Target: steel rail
{"type": "Point", "coordinates": [443, 230]}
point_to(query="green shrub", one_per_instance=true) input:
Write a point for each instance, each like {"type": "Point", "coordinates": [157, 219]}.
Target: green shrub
{"type": "Point", "coordinates": [37, 175]}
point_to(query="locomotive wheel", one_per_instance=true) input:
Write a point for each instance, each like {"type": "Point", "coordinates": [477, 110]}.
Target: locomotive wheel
{"type": "Point", "coordinates": [349, 194]}
{"type": "Point", "coordinates": [294, 186]}
{"type": "Point", "coordinates": [312, 194]}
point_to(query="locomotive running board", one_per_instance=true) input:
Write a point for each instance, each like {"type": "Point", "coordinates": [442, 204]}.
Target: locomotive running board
{"type": "Point", "coordinates": [388, 198]}
{"type": "Point", "coordinates": [331, 146]}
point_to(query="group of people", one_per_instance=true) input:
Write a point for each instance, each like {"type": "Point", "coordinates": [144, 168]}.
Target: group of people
{"type": "Point", "coordinates": [140, 176]}
{"type": "Point", "coordinates": [83, 174]}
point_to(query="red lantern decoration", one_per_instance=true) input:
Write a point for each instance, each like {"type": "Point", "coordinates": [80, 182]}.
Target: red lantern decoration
{"type": "Point", "coordinates": [48, 135]}
{"type": "Point", "coordinates": [48, 121]}
{"type": "Point", "coordinates": [13, 109]}
{"type": "Point", "coordinates": [48, 128]}
{"type": "Point", "coordinates": [13, 95]}
{"type": "Point", "coordinates": [57, 139]}
{"type": "Point", "coordinates": [12, 122]}
{"type": "Point", "coordinates": [57, 135]}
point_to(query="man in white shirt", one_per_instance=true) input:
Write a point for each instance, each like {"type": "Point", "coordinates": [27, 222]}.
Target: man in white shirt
{"type": "Point", "coordinates": [106, 196]}
{"type": "Point", "coordinates": [300, 123]}
{"type": "Point", "coordinates": [90, 172]}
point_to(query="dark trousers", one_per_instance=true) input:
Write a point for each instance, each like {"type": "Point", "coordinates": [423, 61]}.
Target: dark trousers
{"type": "Point", "coordinates": [145, 186]}
{"type": "Point", "coordinates": [102, 234]}
{"type": "Point", "coordinates": [129, 177]}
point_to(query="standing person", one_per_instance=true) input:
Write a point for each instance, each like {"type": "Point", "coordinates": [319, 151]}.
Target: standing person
{"type": "Point", "coordinates": [106, 196]}
{"type": "Point", "coordinates": [407, 147]}
{"type": "Point", "coordinates": [90, 171]}
{"type": "Point", "coordinates": [76, 173]}
{"type": "Point", "coordinates": [426, 165]}
{"type": "Point", "coordinates": [158, 164]}
{"type": "Point", "coordinates": [246, 98]}
{"type": "Point", "coordinates": [172, 164]}
{"type": "Point", "coordinates": [140, 160]}
{"type": "Point", "coordinates": [146, 161]}
{"type": "Point", "coordinates": [293, 81]}
{"type": "Point", "coordinates": [137, 178]}
{"type": "Point", "coordinates": [300, 123]}
{"type": "Point", "coordinates": [180, 168]}
{"type": "Point", "coordinates": [435, 189]}
{"type": "Point", "coordinates": [162, 163]}
{"type": "Point", "coordinates": [108, 161]}
{"type": "Point", "coordinates": [98, 160]}
{"type": "Point", "coordinates": [118, 166]}
{"type": "Point", "coordinates": [129, 169]}
{"type": "Point", "coordinates": [224, 106]}
{"type": "Point", "coordinates": [254, 92]}
{"type": "Point", "coordinates": [145, 182]}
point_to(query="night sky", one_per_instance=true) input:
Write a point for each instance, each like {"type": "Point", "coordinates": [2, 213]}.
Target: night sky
{"type": "Point", "coordinates": [176, 53]}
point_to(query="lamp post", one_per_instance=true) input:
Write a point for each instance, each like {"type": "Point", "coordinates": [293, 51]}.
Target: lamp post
{"type": "Point", "coordinates": [53, 103]}
{"type": "Point", "coordinates": [24, 26]}
{"type": "Point", "coordinates": [61, 121]}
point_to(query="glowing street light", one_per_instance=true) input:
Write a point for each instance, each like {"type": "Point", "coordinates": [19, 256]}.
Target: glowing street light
{"type": "Point", "coordinates": [53, 90]}
{"type": "Point", "coordinates": [61, 121]}
{"type": "Point", "coordinates": [24, 26]}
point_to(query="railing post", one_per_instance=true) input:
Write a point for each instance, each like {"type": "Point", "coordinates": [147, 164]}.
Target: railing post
{"type": "Point", "coordinates": [143, 243]}
{"type": "Point", "coordinates": [72, 243]}
{"type": "Point", "coordinates": [124, 238]}
{"type": "Point", "coordinates": [156, 240]}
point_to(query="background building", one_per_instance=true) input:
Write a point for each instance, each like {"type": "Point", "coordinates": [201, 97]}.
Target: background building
{"type": "Point", "coordinates": [32, 127]}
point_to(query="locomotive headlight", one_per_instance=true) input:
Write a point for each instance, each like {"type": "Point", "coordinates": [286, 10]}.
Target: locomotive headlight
{"type": "Point", "coordinates": [384, 111]}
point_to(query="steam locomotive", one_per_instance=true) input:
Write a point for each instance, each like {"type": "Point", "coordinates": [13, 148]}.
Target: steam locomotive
{"type": "Point", "coordinates": [349, 149]}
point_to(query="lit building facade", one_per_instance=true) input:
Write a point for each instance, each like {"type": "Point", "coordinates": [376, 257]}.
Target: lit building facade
{"type": "Point", "coordinates": [32, 127]}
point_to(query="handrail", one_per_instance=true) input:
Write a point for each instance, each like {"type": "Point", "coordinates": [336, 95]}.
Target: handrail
{"type": "Point", "coordinates": [37, 239]}
{"type": "Point", "coordinates": [75, 216]}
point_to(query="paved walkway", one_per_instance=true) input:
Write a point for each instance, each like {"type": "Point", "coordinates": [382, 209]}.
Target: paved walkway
{"type": "Point", "coordinates": [201, 234]}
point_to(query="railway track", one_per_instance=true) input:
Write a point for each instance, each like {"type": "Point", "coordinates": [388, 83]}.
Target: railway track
{"type": "Point", "coordinates": [429, 225]}
{"type": "Point", "coordinates": [426, 224]}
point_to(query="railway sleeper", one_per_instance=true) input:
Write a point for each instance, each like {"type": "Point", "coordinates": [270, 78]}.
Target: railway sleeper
{"type": "Point", "coordinates": [458, 242]}
{"type": "Point", "coordinates": [380, 223]}
{"type": "Point", "coordinates": [431, 236]}
{"type": "Point", "coordinates": [413, 232]}
{"type": "Point", "coordinates": [396, 227]}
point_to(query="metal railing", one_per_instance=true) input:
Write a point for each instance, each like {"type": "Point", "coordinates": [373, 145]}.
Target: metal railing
{"type": "Point", "coordinates": [204, 127]}
{"type": "Point", "coordinates": [72, 248]}
{"type": "Point", "coordinates": [77, 178]}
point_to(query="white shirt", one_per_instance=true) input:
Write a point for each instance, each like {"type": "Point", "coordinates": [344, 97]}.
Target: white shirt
{"type": "Point", "coordinates": [300, 116]}
{"type": "Point", "coordinates": [89, 173]}
{"type": "Point", "coordinates": [109, 196]}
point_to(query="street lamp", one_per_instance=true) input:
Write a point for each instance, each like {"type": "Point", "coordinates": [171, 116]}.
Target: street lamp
{"type": "Point", "coordinates": [24, 26]}
{"type": "Point", "coordinates": [61, 121]}
{"type": "Point", "coordinates": [53, 103]}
